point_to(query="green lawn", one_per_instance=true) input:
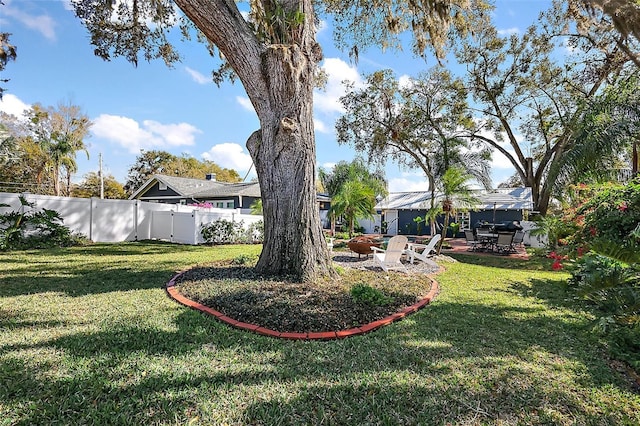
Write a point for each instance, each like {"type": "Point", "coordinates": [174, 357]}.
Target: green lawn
{"type": "Point", "coordinates": [88, 336]}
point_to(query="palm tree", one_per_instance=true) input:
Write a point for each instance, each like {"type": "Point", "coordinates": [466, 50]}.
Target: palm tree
{"type": "Point", "coordinates": [343, 172]}
{"type": "Point", "coordinates": [355, 200]}
{"type": "Point", "coordinates": [454, 186]}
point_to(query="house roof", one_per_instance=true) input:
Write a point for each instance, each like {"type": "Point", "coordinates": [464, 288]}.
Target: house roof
{"type": "Point", "coordinates": [504, 199]}
{"type": "Point", "coordinates": [201, 188]}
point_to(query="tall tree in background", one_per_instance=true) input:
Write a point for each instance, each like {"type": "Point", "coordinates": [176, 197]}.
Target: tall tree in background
{"type": "Point", "coordinates": [153, 162]}
{"type": "Point", "coordinates": [44, 144]}
{"type": "Point", "coordinates": [275, 56]}
{"type": "Point", "coordinates": [90, 187]}
{"type": "Point", "coordinates": [354, 201]}
{"type": "Point", "coordinates": [606, 138]}
{"type": "Point", "coordinates": [531, 96]}
{"type": "Point", "coordinates": [424, 124]}
{"type": "Point", "coordinates": [7, 53]}
{"type": "Point", "coordinates": [60, 132]}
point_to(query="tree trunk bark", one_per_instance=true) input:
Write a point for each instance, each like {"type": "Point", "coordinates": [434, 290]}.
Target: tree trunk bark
{"type": "Point", "coordinates": [284, 154]}
{"type": "Point", "coordinates": [278, 79]}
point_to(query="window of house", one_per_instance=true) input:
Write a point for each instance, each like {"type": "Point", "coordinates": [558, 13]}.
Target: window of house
{"type": "Point", "coordinates": [464, 219]}
{"type": "Point", "coordinates": [230, 204]}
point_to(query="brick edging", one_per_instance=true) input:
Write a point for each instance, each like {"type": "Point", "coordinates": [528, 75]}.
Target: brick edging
{"type": "Point", "coordinates": [326, 335]}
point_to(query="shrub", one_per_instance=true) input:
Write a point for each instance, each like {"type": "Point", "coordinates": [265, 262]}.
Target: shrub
{"type": "Point", "coordinates": [222, 231]}
{"type": "Point", "coordinates": [365, 294]}
{"type": "Point", "coordinates": [255, 232]}
{"type": "Point", "coordinates": [28, 228]}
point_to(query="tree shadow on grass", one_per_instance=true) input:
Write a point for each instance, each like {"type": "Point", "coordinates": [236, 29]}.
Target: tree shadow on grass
{"type": "Point", "coordinates": [82, 281]}
{"type": "Point", "coordinates": [533, 264]}
{"type": "Point", "coordinates": [410, 372]}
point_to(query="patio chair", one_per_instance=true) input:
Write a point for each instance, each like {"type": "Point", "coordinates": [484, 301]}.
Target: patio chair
{"type": "Point", "coordinates": [413, 252]}
{"type": "Point", "coordinates": [518, 239]}
{"type": "Point", "coordinates": [390, 258]}
{"type": "Point", "coordinates": [503, 243]}
{"type": "Point", "coordinates": [472, 241]}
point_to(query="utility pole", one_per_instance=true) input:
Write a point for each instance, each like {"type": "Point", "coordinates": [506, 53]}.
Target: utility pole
{"type": "Point", "coordinates": [101, 178]}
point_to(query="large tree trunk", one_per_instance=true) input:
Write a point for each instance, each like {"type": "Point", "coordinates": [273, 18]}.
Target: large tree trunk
{"type": "Point", "coordinates": [278, 79]}
{"type": "Point", "coordinates": [284, 154]}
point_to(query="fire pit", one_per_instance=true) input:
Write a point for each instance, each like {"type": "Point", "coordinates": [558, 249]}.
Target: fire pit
{"type": "Point", "coordinates": [362, 245]}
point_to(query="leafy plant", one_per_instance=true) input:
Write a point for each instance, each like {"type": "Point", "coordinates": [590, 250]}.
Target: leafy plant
{"type": "Point", "coordinates": [363, 293]}
{"type": "Point", "coordinates": [222, 231]}
{"type": "Point", "coordinates": [418, 220]}
{"type": "Point", "coordinates": [242, 259]}
{"type": "Point", "coordinates": [28, 228]}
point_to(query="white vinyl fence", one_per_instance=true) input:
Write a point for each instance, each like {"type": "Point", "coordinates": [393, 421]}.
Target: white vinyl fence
{"type": "Point", "coordinates": [129, 220]}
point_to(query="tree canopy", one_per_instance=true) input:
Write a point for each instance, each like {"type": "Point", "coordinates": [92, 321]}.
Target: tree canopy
{"type": "Point", "coordinates": [90, 187]}
{"type": "Point", "coordinates": [424, 124]}
{"type": "Point", "coordinates": [44, 144]}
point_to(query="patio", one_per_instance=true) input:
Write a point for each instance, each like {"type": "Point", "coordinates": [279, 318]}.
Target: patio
{"type": "Point", "coordinates": [459, 245]}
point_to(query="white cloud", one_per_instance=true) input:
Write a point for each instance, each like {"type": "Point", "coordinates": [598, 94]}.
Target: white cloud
{"type": "Point", "coordinates": [328, 166]}
{"type": "Point", "coordinates": [128, 133]}
{"type": "Point", "coordinates": [509, 31]}
{"type": "Point", "coordinates": [402, 184]}
{"type": "Point", "coordinates": [229, 155]}
{"type": "Point", "coordinates": [322, 27]}
{"type": "Point", "coordinates": [173, 134]}
{"type": "Point", "coordinates": [405, 81]}
{"type": "Point", "coordinates": [319, 126]}
{"type": "Point", "coordinates": [197, 77]}
{"type": "Point", "coordinates": [44, 24]}
{"type": "Point", "coordinates": [328, 100]}
{"type": "Point", "coordinates": [12, 105]}
{"type": "Point", "coordinates": [245, 103]}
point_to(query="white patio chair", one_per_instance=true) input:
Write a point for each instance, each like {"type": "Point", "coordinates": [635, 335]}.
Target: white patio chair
{"type": "Point", "coordinates": [390, 257]}
{"type": "Point", "coordinates": [413, 252]}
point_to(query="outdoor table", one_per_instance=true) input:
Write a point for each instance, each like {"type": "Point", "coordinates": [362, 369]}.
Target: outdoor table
{"type": "Point", "coordinates": [487, 240]}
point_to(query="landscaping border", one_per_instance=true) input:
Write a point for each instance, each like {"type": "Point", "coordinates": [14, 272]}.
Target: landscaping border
{"type": "Point", "coordinates": [326, 335]}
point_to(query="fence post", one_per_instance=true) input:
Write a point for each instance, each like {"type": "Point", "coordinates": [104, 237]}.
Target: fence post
{"type": "Point", "coordinates": [172, 214]}
{"type": "Point", "coordinates": [91, 219]}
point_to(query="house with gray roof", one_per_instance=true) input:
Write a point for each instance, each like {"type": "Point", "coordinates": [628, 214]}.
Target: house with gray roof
{"type": "Point", "coordinates": [225, 195]}
{"type": "Point", "coordinates": [179, 190]}
{"type": "Point", "coordinates": [399, 209]}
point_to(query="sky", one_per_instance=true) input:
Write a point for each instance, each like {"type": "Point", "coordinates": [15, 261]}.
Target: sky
{"type": "Point", "coordinates": [180, 109]}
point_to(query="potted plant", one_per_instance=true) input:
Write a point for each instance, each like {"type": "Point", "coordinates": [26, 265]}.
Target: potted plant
{"type": "Point", "coordinates": [454, 227]}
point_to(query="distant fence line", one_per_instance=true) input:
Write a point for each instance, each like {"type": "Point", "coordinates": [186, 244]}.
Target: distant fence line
{"type": "Point", "coordinates": [112, 221]}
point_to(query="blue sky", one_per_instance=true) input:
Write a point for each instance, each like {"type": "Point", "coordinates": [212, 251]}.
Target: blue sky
{"type": "Point", "coordinates": [180, 109]}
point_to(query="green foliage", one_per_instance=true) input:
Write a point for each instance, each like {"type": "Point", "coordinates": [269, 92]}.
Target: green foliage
{"type": "Point", "coordinates": [354, 200]}
{"type": "Point", "coordinates": [365, 294]}
{"type": "Point", "coordinates": [255, 232]}
{"type": "Point", "coordinates": [256, 207]}
{"type": "Point", "coordinates": [455, 228]}
{"type": "Point", "coordinates": [90, 187]}
{"type": "Point", "coordinates": [555, 228]}
{"type": "Point", "coordinates": [276, 25]}
{"type": "Point", "coordinates": [27, 228]}
{"type": "Point", "coordinates": [222, 231]}
{"type": "Point", "coordinates": [242, 259]}
{"type": "Point", "coordinates": [612, 214]}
